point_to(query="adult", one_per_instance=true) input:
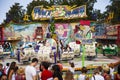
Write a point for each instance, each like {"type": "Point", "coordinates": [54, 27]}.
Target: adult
{"type": "Point", "coordinates": [20, 75]}
{"type": "Point", "coordinates": [30, 70]}
{"type": "Point", "coordinates": [11, 71]}
{"type": "Point", "coordinates": [112, 69]}
{"type": "Point", "coordinates": [7, 68]}
{"type": "Point", "coordinates": [117, 76]}
{"type": "Point", "coordinates": [1, 70]}
{"type": "Point", "coordinates": [69, 75]}
{"type": "Point", "coordinates": [106, 73]}
{"type": "Point", "coordinates": [71, 68]}
{"type": "Point", "coordinates": [83, 75]}
{"type": "Point", "coordinates": [57, 74]}
{"type": "Point", "coordinates": [60, 65]}
{"type": "Point", "coordinates": [97, 76]}
{"type": "Point", "coordinates": [45, 74]}
{"type": "Point", "coordinates": [4, 77]}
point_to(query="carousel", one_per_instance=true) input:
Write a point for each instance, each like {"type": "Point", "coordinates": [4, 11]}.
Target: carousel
{"type": "Point", "coordinates": [50, 39]}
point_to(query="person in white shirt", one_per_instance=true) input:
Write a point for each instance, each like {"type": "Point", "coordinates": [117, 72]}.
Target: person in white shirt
{"type": "Point", "coordinates": [30, 71]}
{"type": "Point", "coordinates": [112, 70]}
{"type": "Point", "coordinates": [7, 67]}
{"type": "Point", "coordinates": [83, 75]}
{"type": "Point", "coordinates": [97, 76]}
{"type": "Point", "coordinates": [71, 68]}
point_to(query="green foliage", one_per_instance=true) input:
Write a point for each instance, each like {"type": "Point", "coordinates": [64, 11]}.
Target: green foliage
{"type": "Point", "coordinates": [52, 27]}
{"type": "Point", "coordinates": [114, 7]}
{"type": "Point", "coordinates": [88, 3]}
{"type": "Point", "coordinates": [15, 14]}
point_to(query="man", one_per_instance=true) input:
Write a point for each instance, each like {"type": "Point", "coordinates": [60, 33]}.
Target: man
{"type": "Point", "coordinates": [30, 70]}
{"type": "Point", "coordinates": [97, 76]}
{"type": "Point", "coordinates": [45, 74]}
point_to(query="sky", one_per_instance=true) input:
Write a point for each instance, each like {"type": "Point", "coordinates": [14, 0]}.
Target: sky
{"type": "Point", "coordinates": [6, 4]}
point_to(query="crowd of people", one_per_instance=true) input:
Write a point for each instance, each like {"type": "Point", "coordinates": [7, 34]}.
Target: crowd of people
{"type": "Point", "coordinates": [48, 71]}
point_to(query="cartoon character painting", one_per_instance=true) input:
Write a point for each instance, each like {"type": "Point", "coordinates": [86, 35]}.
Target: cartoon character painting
{"type": "Point", "coordinates": [63, 32]}
{"type": "Point", "coordinates": [59, 12]}
{"type": "Point", "coordinates": [39, 33]}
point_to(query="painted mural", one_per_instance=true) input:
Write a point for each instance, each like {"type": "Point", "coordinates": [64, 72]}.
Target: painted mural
{"type": "Point", "coordinates": [100, 31]}
{"type": "Point", "coordinates": [26, 33]}
{"type": "Point", "coordinates": [84, 32]}
{"type": "Point", "coordinates": [64, 32]}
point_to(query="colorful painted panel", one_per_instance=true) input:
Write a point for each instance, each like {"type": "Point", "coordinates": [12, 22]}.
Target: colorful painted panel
{"type": "Point", "coordinates": [58, 12]}
{"type": "Point", "coordinates": [112, 30]}
{"type": "Point", "coordinates": [64, 32]}
{"type": "Point", "coordinates": [100, 31]}
{"type": "Point", "coordinates": [84, 32]}
{"type": "Point", "coordinates": [28, 32]}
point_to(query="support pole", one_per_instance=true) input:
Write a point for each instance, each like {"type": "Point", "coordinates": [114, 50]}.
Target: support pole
{"type": "Point", "coordinates": [83, 55]}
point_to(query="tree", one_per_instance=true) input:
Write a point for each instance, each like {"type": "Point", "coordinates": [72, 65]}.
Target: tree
{"type": "Point", "coordinates": [89, 5]}
{"type": "Point", "coordinates": [115, 8]}
{"type": "Point", "coordinates": [16, 14]}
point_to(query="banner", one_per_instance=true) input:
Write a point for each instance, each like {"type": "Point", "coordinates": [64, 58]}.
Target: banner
{"type": "Point", "coordinates": [111, 30]}
{"type": "Point", "coordinates": [58, 12]}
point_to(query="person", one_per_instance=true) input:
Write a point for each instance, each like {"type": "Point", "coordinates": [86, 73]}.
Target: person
{"type": "Point", "coordinates": [30, 70]}
{"type": "Point", "coordinates": [106, 73]}
{"type": "Point", "coordinates": [45, 73]}
{"type": "Point", "coordinates": [100, 70]}
{"type": "Point", "coordinates": [11, 71]}
{"type": "Point", "coordinates": [112, 70]}
{"type": "Point", "coordinates": [117, 76]}
{"type": "Point", "coordinates": [97, 76]}
{"type": "Point", "coordinates": [71, 68]}
{"type": "Point", "coordinates": [15, 72]}
{"type": "Point", "coordinates": [57, 74]}
{"type": "Point", "coordinates": [96, 49]}
{"type": "Point", "coordinates": [1, 70]}
{"type": "Point", "coordinates": [60, 65]}
{"type": "Point", "coordinates": [69, 75]}
{"type": "Point", "coordinates": [20, 75]}
{"type": "Point", "coordinates": [83, 75]}
{"type": "Point", "coordinates": [4, 77]}
{"type": "Point", "coordinates": [7, 68]}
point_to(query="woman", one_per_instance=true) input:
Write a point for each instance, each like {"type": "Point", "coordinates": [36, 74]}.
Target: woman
{"type": "Point", "coordinates": [69, 75]}
{"type": "Point", "coordinates": [83, 75]}
{"type": "Point", "coordinates": [117, 76]}
{"type": "Point", "coordinates": [20, 75]}
{"type": "Point", "coordinates": [4, 77]}
{"type": "Point", "coordinates": [106, 74]}
{"type": "Point", "coordinates": [57, 75]}
{"type": "Point", "coordinates": [12, 71]}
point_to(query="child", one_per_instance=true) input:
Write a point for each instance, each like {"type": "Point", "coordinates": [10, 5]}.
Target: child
{"type": "Point", "coordinates": [4, 77]}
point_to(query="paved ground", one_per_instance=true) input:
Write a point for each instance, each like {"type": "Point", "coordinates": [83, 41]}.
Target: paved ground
{"type": "Point", "coordinates": [97, 61]}
{"type": "Point", "coordinates": [78, 62]}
